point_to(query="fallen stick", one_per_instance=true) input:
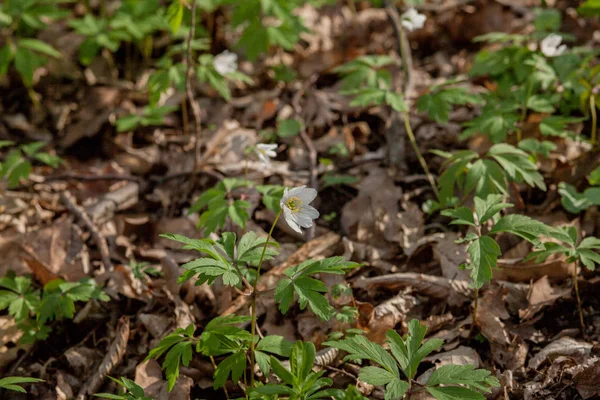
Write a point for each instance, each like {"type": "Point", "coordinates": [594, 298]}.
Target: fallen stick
{"type": "Point", "coordinates": [113, 357]}
{"type": "Point", "coordinates": [98, 237]}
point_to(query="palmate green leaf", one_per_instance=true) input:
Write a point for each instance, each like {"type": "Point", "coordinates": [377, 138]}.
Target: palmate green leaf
{"type": "Point", "coordinates": [454, 393]}
{"type": "Point", "coordinates": [271, 196]}
{"type": "Point", "coordinates": [13, 382]}
{"type": "Point", "coordinates": [331, 265]}
{"type": "Point", "coordinates": [454, 169]}
{"type": "Point", "coordinates": [522, 226]}
{"type": "Point", "coordinates": [367, 97]}
{"type": "Point", "coordinates": [545, 250]}
{"type": "Point", "coordinates": [488, 208]}
{"type": "Point", "coordinates": [38, 46]}
{"type": "Point", "coordinates": [534, 146]}
{"type": "Point", "coordinates": [410, 351]}
{"type": "Point", "coordinates": [438, 104]}
{"type": "Point", "coordinates": [360, 348]}
{"type": "Point", "coordinates": [376, 376]}
{"type": "Point", "coordinates": [556, 125]}
{"type": "Point", "coordinates": [238, 212]}
{"type": "Point", "coordinates": [175, 15]}
{"type": "Point", "coordinates": [233, 366]}
{"type": "Point", "coordinates": [589, 258]}
{"type": "Point", "coordinates": [491, 124]}
{"type": "Point", "coordinates": [208, 269]}
{"type": "Point", "coordinates": [222, 336]}
{"type": "Point", "coordinates": [540, 103]}
{"type": "Point", "coordinates": [250, 248]}
{"type": "Point", "coordinates": [395, 389]}
{"type": "Point", "coordinates": [517, 165]}
{"type": "Point", "coordinates": [14, 168]}
{"type": "Point", "coordinates": [309, 293]}
{"type": "Point", "coordinates": [484, 253]}
{"type": "Point", "coordinates": [178, 349]}
{"type": "Point", "coordinates": [485, 177]}
{"type": "Point", "coordinates": [461, 216]}
{"type": "Point", "coordinates": [467, 375]}
{"type": "Point", "coordinates": [574, 201]}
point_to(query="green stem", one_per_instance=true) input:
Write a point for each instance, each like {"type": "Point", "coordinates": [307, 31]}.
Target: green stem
{"type": "Point", "coordinates": [413, 141]}
{"type": "Point", "coordinates": [579, 308]}
{"type": "Point", "coordinates": [594, 117]}
{"type": "Point", "coordinates": [524, 111]}
{"type": "Point", "coordinates": [254, 295]}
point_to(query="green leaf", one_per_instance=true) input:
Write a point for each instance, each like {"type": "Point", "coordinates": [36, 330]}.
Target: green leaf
{"type": "Point", "coordinates": [337, 180]}
{"type": "Point", "coordinates": [488, 208]}
{"type": "Point", "coordinates": [26, 62]}
{"type": "Point", "coordinates": [461, 216]}
{"type": "Point", "coordinates": [12, 382]}
{"type": "Point", "coordinates": [178, 349]}
{"type": "Point", "coordinates": [233, 365]}
{"type": "Point", "coordinates": [288, 128]}
{"type": "Point", "coordinates": [175, 15]}
{"type": "Point", "coordinates": [309, 292]}
{"type": "Point", "coordinates": [454, 393]}
{"type": "Point", "coordinates": [438, 104]}
{"type": "Point", "coordinates": [574, 201]}
{"type": "Point", "coordinates": [376, 376]}
{"type": "Point", "coordinates": [250, 248]}
{"type": "Point", "coordinates": [484, 253]}
{"type": "Point", "coordinates": [540, 104]}
{"type": "Point", "coordinates": [360, 348]}
{"type": "Point", "coordinates": [462, 375]}
{"type": "Point", "coordinates": [517, 165]}
{"type": "Point", "coordinates": [238, 212]}
{"type": "Point", "coordinates": [275, 344]}
{"type": "Point", "coordinates": [522, 226]}
{"type": "Point", "coordinates": [395, 390]}
{"type": "Point", "coordinates": [38, 46]}
{"type": "Point", "coordinates": [396, 101]}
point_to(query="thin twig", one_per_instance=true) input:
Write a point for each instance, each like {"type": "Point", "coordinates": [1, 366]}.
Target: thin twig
{"type": "Point", "coordinates": [98, 237]}
{"type": "Point", "coordinates": [188, 90]}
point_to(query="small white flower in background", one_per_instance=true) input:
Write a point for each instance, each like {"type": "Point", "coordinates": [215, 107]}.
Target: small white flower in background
{"type": "Point", "coordinates": [551, 46]}
{"type": "Point", "coordinates": [412, 20]}
{"type": "Point", "coordinates": [265, 152]}
{"type": "Point", "coordinates": [226, 62]}
{"type": "Point", "coordinates": [296, 211]}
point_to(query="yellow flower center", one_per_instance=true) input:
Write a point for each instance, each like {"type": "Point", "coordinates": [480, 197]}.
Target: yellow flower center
{"type": "Point", "coordinates": [294, 204]}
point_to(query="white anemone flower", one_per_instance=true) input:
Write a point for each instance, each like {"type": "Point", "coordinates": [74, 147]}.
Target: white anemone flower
{"type": "Point", "coordinates": [412, 20]}
{"type": "Point", "coordinates": [296, 211]}
{"type": "Point", "coordinates": [265, 152]}
{"type": "Point", "coordinates": [551, 46]}
{"type": "Point", "coordinates": [226, 62]}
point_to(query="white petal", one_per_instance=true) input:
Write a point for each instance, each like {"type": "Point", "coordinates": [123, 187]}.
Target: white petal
{"type": "Point", "coordinates": [307, 195]}
{"type": "Point", "coordinates": [291, 221]}
{"type": "Point", "coordinates": [309, 211]}
{"type": "Point", "coordinates": [303, 220]}
{"type": "Point", "coordinates": [295, 192]}
{"type": "Point", "coordinates": [270, 153]}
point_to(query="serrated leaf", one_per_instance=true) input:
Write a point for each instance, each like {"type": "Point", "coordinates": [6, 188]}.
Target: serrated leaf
{"type": "Point", "coordinates": [522, 226]}
{"type": "Point", "coordinates": [376, 376]}
{"type": "Point", "coordinates": [484, 253]}
{"type": "Point", "coordinates": [233, 365]}
{"type": "Point", "coordinates": [454, 393]}
{"type": "Point", "coordinates": [461, 216]}
{"type": "Point", "coordinates": [488, 208]}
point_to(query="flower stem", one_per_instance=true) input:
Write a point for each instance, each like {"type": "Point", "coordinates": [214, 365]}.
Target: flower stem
{"type": "Point", "coordinates": [594, 117]}
{"type": "Point", "coordinates": [579, 308]}
{"type": "Point", "coordinates": [413, 141]}
{"type": "Point", "coordinates": [253, 298]}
